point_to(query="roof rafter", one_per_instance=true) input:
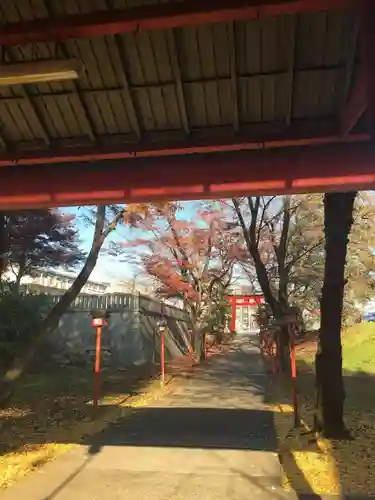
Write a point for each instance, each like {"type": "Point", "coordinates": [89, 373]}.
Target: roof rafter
{"type": "Point", "coordinates": [133, 118]}
{"type": "Point", "coordinates": [3, 144]}
{"type": "Point", "coordinates": [90, 129]}
{"type": "Point", "coordinates": [233, 76]}
{"type": "Point", "coordinates": [291, 69]}
{"type": "Point", "coordinates": [119, 54]}
{"type": "Point", "coordinates": [26, 98]}
{"type": "Point", "coordinates": [38, 119]}
{"type": "Point", "coordinates": [357, 103]}
{"type": "Point", "coordinates": [175, 63]}
{"type": "Point", "coordinates": [351, 40]}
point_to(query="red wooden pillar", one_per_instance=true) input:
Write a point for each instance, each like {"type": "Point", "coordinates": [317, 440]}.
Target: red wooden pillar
{"type": "Point", "coordinates": [162, 356]}
{"type": "Point", "coordinates": [97, 366]}
{"type": "Point", "coordinates": [162, 331]}
{"type": "Point", "coordinates": [98, 322]}
{"type": "Point", "coordinates": [294, 374]}
{"type": "Point", "coordinates": [367, 40]}
{"type": "Point", "coordinates": [234, 311]}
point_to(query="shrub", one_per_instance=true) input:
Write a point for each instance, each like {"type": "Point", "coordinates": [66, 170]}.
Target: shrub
{"type": "Point", "coordinates": [20, 318]}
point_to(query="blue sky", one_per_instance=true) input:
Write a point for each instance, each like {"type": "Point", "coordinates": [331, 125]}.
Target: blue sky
{"type": "Point", "coordinates": [109, 268]}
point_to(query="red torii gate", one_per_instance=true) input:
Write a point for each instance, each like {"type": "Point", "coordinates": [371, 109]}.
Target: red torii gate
{"type": "Point", "coordinates": [243, 301]}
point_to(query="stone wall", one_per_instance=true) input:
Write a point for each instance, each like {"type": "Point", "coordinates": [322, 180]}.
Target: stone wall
{"type": "Point", "coordinates": [130, 337]}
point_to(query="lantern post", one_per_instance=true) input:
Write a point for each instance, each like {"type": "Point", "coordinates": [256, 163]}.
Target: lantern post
{"type": "Point", "coordinates": [291, 321]}
{"type": "Point", "coordinates": [99, 321]}
{"type": "Point", "coordinates": [162, 328]}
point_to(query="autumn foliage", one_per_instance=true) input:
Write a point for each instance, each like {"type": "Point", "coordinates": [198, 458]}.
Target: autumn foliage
{"type": "Point", "coordinates": [190, 259]}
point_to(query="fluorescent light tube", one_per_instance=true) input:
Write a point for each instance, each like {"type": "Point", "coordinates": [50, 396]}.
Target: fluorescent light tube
{"type": "Point", "coordinates": [39, 72]}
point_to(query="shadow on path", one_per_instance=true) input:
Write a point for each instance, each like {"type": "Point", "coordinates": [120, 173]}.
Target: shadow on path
{"type": "Point", "coordinates": [213, 435]}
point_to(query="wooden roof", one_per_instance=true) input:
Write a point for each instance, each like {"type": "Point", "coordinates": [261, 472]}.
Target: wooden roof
{"type": "Point", "coordinates": [267, 77]}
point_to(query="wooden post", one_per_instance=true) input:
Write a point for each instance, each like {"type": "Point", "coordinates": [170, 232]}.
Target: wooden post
{"type": "Point", "coordinates": [97, 367]}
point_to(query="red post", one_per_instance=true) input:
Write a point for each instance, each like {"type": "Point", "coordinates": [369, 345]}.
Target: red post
{"type": "Point", "coordinates": [97, 366]}
{"type": "Point", "coordinates": [273, 351]}
{"type": "Point", "coordinates": [233, 326]}
{"type": "Point", "coordinates": [294, 376]}
{"type": "Point", "coordinates": [162, 356]}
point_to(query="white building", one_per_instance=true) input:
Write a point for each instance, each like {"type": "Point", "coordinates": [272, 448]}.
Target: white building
{"type": "Point", "coordinates": [132, 286]}
{"type": "Point", "coordinates": [51, 282]}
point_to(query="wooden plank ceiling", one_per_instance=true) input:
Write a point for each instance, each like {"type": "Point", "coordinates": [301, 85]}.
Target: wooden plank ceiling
{"type": "Point", "coordinates": [275, 77]}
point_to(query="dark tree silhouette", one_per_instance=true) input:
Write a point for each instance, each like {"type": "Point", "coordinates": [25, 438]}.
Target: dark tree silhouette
{"type": "Point", "coordinates": [41, 239]}
{"type": "Point", "coordinates": [338, 219]}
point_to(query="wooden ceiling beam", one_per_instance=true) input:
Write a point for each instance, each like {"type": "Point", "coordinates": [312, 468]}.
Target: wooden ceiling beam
{"type": "Point", "coordinates": [155, 17]}
{"type": "Point", "coordinates": [148, 149]}
{"type": "Point", "coordinates": [209, 176]}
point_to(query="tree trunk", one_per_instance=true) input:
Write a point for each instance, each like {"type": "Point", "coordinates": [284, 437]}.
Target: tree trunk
{"type": "Point", "coordinates": [20, 273]}
{"type": "Point", "coordinates": [338, 218]}
{"type": "Point", "coordinates": [197, 344]}
{"type": "Point", "coordinates": [51, 322]}
{"type": "Point", "coordinates": [250, 237]}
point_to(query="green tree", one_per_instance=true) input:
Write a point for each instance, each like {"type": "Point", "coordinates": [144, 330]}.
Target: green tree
{"type": "Point", "coordinates": [306, 277]}
{"type": "Point", "coordinates": [41, 239]}
{"type": "Point", "coordinates": [300, 269]}
{"type": "Point", "coordinates": [21, 316]}
{"type": "Point", "coordinates": [298, 249]}
{"type": "Point", "coordinates": [105, 220]}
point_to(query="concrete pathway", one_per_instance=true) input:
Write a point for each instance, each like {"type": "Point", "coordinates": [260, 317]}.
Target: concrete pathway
{"type": "Point", "coordinates": [212, 438]}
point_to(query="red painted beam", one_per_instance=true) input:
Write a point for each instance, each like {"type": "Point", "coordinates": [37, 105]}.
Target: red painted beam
{"type": "Point", "coordinates": [313, 169]}
{"type": "Point", "coordinates": [357, 103]}
{"type": "Point", "coordinates": [126, 152]}
{"type": "Point", "coordinates": [154, 17]}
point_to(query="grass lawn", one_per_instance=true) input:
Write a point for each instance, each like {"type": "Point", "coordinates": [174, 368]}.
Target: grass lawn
{"type": "Point", "coordinates": [323, 466]}
{"type": "Point", "coordinates": [358, 345]}
{"type": "Point", "coordinates": [52, 412]}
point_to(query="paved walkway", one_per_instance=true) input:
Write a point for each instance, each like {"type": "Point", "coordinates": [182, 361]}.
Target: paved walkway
{"type": "Point", "coordinates": [212, 438]}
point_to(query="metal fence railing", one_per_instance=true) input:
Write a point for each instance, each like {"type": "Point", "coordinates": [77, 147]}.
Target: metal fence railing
{"type": "Point", "coordinates": [112, 302]}
{"type": "Point", "coordinates": [125, 301]}
{"type": "Point", "coordinates": [153, 306]}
